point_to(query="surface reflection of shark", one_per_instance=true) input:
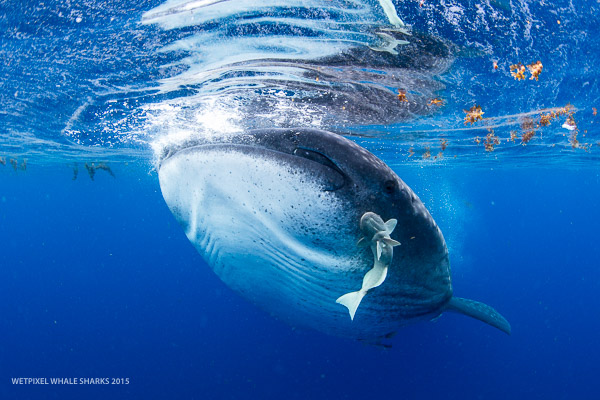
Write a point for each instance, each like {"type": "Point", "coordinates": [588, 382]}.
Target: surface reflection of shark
{"type": "Point", "coordinates": [277, 215]}
{"type": "Point", "coordinates": [320, 63]}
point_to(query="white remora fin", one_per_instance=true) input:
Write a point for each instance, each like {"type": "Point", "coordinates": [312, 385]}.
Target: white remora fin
{"type": "Point", "coordinates": [382, 238]}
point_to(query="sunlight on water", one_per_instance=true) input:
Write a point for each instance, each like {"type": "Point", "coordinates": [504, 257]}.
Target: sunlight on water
{"type": "Point", "coordinates": [124, 84]}
{"type": "Point", "coordinates": [212, 122]}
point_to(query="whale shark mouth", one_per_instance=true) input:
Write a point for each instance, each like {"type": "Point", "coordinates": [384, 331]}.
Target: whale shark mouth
{"type": "Point", "coordinates": [313, 162]}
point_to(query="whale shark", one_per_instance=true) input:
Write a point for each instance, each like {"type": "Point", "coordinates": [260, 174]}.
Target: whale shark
{"type": "Point", "coordinates": [296, 220]}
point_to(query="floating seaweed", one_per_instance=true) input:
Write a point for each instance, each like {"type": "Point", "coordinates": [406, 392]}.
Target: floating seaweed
{"type": "Point", "coordinates": [568, 109]}
{"type": "Point", "coordinates": [570, 123]}
{"type": "Point", "coordinates": [443, 144]}
{"type": "Point", "coordinates": [2, 160]}
{"type": "Point", "coordinates": [473, 114]}
{"type": "Point", "coordinates": [491, 140]}
{"type": "Point", "coordinates": [535, 69]}
{"type": "Point", "coordinates": [402, 95]}
{"type": "Point", "coordinates": [527, 136]}
{"type": "Point", "coordinates": [573, 140]}
{"type": "Point", "coordinates": [545, 119]}
{"type": "Point", "coordinates": [436, 102]}
{"type": "Point", "coordinates": [518, 71]}
{"type": "Point", "coordinates": [528, 127]}
{"type": "Point", "coordinates": [427, 153]}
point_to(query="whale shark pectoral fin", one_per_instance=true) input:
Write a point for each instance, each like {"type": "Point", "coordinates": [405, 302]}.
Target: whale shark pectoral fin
{"type": "Point", "coordinates": [391, 242]}
{"type": "Point", "coordinates": [479, 311]}
{"type": "Point", "coordinates": [390, 225]}
{"type": "Point", "coordinates": [351, 301]}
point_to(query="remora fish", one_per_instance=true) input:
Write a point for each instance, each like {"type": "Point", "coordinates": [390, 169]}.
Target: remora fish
{"type": "Point", "coordinates": [377, 237]}
{"type": "Point", "coordinates": [276, 213]}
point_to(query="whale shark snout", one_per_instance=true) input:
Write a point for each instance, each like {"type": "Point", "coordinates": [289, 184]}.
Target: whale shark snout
{"type": "Point", "coordinates": [277, 215]}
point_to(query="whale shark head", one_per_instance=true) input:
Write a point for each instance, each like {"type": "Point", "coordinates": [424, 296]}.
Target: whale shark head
{"type": "Point", "coordinates": [277, 215]}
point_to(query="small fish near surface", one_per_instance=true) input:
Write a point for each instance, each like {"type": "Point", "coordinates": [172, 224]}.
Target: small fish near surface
{"type": "Point", "coordinates": [277, 215]}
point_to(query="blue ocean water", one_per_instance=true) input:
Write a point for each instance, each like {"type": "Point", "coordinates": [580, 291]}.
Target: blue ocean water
{"type": "Point", "coordinates": [98, 280]}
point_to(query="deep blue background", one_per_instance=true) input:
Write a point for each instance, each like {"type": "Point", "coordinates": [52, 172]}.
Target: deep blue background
{"type": "Point", "coordinates": [98, 280]}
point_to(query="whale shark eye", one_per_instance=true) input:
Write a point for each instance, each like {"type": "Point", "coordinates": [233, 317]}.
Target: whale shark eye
{"type": "Point", "coordinates": [389, 187]}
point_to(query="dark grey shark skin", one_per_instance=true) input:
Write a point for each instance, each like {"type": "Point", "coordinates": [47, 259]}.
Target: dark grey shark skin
{"type": "Point", "coordinates": [418, 285]}
{"type": "Point", "coordinates": [421, 264]}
